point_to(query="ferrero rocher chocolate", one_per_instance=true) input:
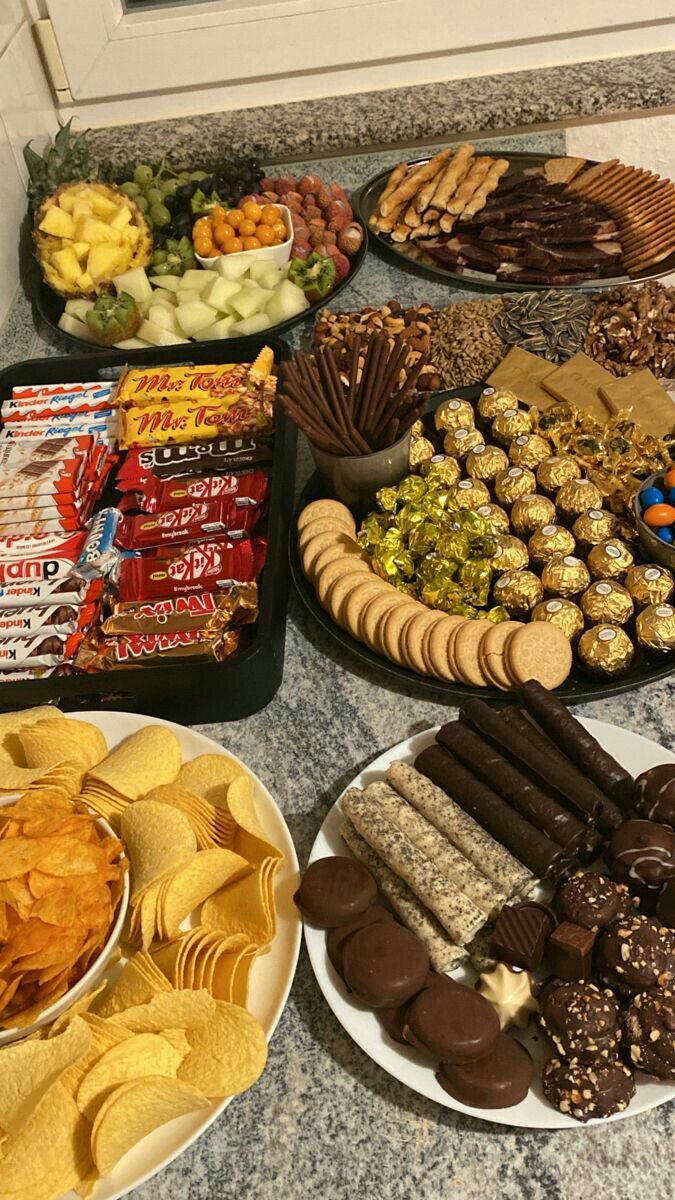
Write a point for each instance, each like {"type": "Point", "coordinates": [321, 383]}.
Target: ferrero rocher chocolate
{"type": "Point", "coordinates": [649, 584]}
{"type": "Point", "coordinates": [655, 628]}
{"type": "Point", "coordinates": [441, 471]}
{"type": "Point", "coordinates": [454, 414]}
{"type": "Point", "coordinates": [486, 462]}
{"type": "Point", "coordinates": [458, 442]}
{"type": "Point", "coordinates": [494, 401]}
{"type": "Point", "coordinates": [605, 650]}
{"type": "Point", "coordinates": [518, 592]}
{"type": "Point", "coordinates": [512, 484]}
{"type": "Point", "coordinates": [421, 450]}
{"type": "Point", "coordinates": [565, 575]}
{"type": "Point", "coordinates": [576, 497]}
{"type": "Point", "coordinates": [549, 541]}
{"type": "Point", "coordinates": [530, 513]}
{"type": "Point", "coordinates": [510, 423]}
{"type": "Point", "coordinates": [528, 450]}
{"type": "Point", "coordinates": [561, 612]}
{"type": "Point", "coordinates": [553, 472]}
{"type": "Point", "coordinates": [468, 493]}
{"type": "Point", "coordinates": [495, 516]}
{"type": "Point", "coordinates": [606, 602]}
{"type": "Point", "coordinates": [610, 559]}
{"type": "Point", "coordinates": [594, 526]}
{"type": "Point", "coordinates": [511, 554]}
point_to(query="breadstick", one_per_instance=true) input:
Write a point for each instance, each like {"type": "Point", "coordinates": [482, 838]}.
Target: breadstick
{"type": "Point", "coordinates": [400, 233]}
{"type": "Point", "coordinates": [413, 182]}
{"type": "Point", "coordinates": [489, 184]}
{"type": "Point", "coordinates": [470, 184]}
{"type": "Point", "coordinates": [421, 231]}
{"type": "Point", "coordinates": [431, 214]}
{"type": "Point", "coordinates": [426, 192]}
{"type": "Point", "coordinates": [447, 222]}
{"type": "Point", "coordinates": [456, 171]}
{"type": "Point", "coordinates": [412, 217]}
{"type": "Point", "coordinates": [393, 181]}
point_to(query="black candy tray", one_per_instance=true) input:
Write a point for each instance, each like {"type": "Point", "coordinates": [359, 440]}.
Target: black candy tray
{"type": "Point", "coordinates": [187, 693]}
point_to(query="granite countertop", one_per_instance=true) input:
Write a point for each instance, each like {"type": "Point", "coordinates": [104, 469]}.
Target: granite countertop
{"type": "Point", "coordinates": [325, 1121]}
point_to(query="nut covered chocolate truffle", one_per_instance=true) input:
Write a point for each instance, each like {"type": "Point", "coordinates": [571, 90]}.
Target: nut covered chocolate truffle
{"type": "Point", "coordinates": [593, 901]}
{"type": "Point", "coordinates": [649, 1032]}
{"type": "Point", "coordinates": [655, 794]}
{"type": "Point", "coordinates": [585, 1092]}
{"type": "Point", "coordinates": [581, 1020]}
{"type": "Point", "coordinates": [333, 890]}
{"type": "Point", "coordinates": [637, 954]}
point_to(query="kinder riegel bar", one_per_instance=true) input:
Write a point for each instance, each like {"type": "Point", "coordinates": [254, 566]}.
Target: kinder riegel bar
{"type": "Point", "coordinates": [22, 674]}
{"type": "Point", "coordinates": [59, 400]}
{"type": "Point", "coordinates": [208, 567]}
{"type": "Point", "coordinates": [102, 427]}
{"type": "Point", "coordinates": [43, 468]}
{"type": "Point", "coordinates": [199, 458]}
{"type": "Point", "coordinates": [38, 651]}
{"type": "Point", "coordinates": [225, 381]}
{"type": "Point", "coordinates": [212, 519]}
{"type": "Point", "coordinates": [37, 508]}
{"type": "Point", "coordinates": [50, 524]}
{"type": "Point", "coordinates": [247, 489]}
{"type": "Point", "coordinates": [60, 619]}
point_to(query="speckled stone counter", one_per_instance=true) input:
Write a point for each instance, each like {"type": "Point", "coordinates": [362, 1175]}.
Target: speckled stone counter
{"type": "Point", "coordinates": [324, 1122]}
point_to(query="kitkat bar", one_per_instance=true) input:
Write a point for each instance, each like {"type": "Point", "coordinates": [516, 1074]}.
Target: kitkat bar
{"type": "Point", "coordinates": [537, 851]}
{"type": "Point", "coordinates": [250, 487]}
{"type": "Point", "coordinates": [517, 789]}
{"type": "Point", "coordinates": [224, 455]}
{"type": "Point", "coordinates": [569, 786]}
{"type": "Point", "coordinates": [207, 567]}
{"type": "Point", "coordinates": [584, 750]}
{"type": "Point", "coordinates": [213, 519]}
{"type": "Point", "coordinates": [203, 611]}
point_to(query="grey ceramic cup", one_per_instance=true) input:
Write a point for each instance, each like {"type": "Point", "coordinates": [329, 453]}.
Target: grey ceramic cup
{"type": "Point", "coordinates": [356, 478]}
{"type": "Point", "coordinates": [654, 549]}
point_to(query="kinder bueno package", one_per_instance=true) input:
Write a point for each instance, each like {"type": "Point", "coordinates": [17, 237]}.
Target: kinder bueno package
{"type": "Point", "coordinates": [60, 619]}
{"type": "Point", "coordinates": [38, 650]}
{"type": "Point", "coordinates": [42, 569]}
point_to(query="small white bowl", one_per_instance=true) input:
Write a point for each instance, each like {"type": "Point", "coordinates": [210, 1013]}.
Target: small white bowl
{"type": "Point", "coordinates": [279, 255]}
{"type": "Point", "coordinates": [92, 975]}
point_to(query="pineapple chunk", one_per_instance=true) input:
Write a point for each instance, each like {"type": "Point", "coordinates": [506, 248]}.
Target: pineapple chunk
{"type": "Point", "coordinates": [102, 261]}
{"type": "Point", "coordinates": [124, 260]}
{"type": "Point", "coordinates": [97, 232]}
{"type": "Point", "coordinates": [81, 209]}
{"type": "Point", "coordinates": [103, 206]}
{"type": "Point", "coordinates": [85, 282]}
{"type": "Point", "coordinates": [130, 235]}
{"type": "Point", "coordinates": [58, 223]}
{"type": "Point", "coordinates": [81, 249]}
{"type": "Point", "coordinates": [122, 217]}
{"type": "Point", "coordinates": [66, 201]}
{"type": "Point", "coordinates": [66, 264]}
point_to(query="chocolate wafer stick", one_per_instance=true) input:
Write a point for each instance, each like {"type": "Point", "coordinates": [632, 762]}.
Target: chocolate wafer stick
{"type": "Point", "coordinates": [327, 356]}
{"type": "Point", "coordinates": [397, 358]}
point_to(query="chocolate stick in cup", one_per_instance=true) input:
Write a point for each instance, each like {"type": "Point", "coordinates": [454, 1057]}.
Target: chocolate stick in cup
{"type": "Point", "coordinates": [578, 743]}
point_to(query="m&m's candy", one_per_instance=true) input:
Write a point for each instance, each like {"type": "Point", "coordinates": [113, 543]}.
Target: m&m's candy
{"type": "Point", "coordinates": [651, 495]}
{"type": "Point", "coordinates": [669, 477]}
{"type": "Point", "coordinates": [658, 515]}
{"type": "Point", "coordinates": [665, 534]}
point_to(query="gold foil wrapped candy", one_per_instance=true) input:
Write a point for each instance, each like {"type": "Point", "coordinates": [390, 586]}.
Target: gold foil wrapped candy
{"type": "Point", "coordinates": [441, 471]}
{"type": "Point", "coordinates": [561, 612]}
{"type": "Point", "coordinates": [458, 442]}
{"type": "Point", "coordinates": [518, 592]}
{"type": "Point", "coordinates": [510, 423]}
{"type": "Point", "coordinates": [649, 584]}
{"type": "Point", "coordinates": [576, 497]}
{"type": "Point", "coordinates": [486, 462]}
{"type": "Point", "coordinates": [605, 650]}
{"type": "Point", "coordinates": [565, 575]}
{"type": "Point", "coordinates": [549, 541]}
{"type": "Point", "coordinates": [606, 602]}
{"type": "Point", "coordinates": [610, 559]}
{"type": "Point", "coordinates": [421, 451]}
{"type": "Point", "coordinates": [529, 450]}
{"type": "Point", "coordinates": [468, 493]}
{"type": "Point", "coordinates": [496, 517]}
{"type": "Point", "coordinates": [512, 484]}
{"type": "Point", "coordinates": [494, 401]}
{"type": "Point", "coordinates": [511, 554]}
{"type": "Point", "coordinates": [655, 628]}
{"type": "Point", "coordinates": [530, 512]}
{"type": "Point", "coordinates": [594, 526]}
{"type": "Point", "coordinates": [553, 472]}
{"type": "Point", "coordinates": [454, 414]}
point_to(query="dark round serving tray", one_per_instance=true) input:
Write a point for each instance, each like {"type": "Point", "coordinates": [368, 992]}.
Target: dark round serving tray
{"type": "Point", "coordinates": [48, 307]}
{"type": "Point", "coordinates": [365, 203]}
{"type": "Point", "coordinates": [578, 689]}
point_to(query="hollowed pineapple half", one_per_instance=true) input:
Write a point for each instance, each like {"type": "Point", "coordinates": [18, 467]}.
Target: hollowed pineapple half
{"type": "Point", "coordinates": [85, 234]}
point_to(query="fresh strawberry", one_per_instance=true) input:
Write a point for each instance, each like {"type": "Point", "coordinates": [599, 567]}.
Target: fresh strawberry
{"type": "Point", "coordinates": [341, 266]}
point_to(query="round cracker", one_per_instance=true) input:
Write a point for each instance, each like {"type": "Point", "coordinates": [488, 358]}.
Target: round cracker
{"type": "Point", "coordinates": [323, 541]}
{"type": "Point", "coordinates": [392, 630]}
{"type": "Point", "coordinates": [534, 654]}
{"type": "Point", "coordinates": [438, 641]}
{"type": "Point", "coordinates": [338, 593]}
{"type": "Point", "coordinates": [452, 661]}
{"type": "Point", "coordinates": [339, 513]}
{"type": "Point", "coordinates": [465, 649]}
{"type": "Point", "coordinates": [342, 548]}
{"type": "Point", "coordinates": [322, 525]}
{"type": "Point", "coordinates": [413, 640]}
{"type": "Point", "coordinates": [492, 654]}
{"type": "Point", "coordinates": [374, 613]}
{"type": "Point", "coordinates": [356, 602]}
{"type": "Point", "coordinates": [438, 618]}
{"type": "Point", "coordinates": [349, 565]}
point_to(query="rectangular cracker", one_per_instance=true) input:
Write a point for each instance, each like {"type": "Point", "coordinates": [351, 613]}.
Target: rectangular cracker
{"type": "Point", "coordinates": [523, 373]}
{"type": "Point", "coordinates": [651, 405]}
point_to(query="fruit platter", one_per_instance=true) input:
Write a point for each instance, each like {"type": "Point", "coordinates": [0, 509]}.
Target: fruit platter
{"type": "Point", "coordinates": [167, 256]}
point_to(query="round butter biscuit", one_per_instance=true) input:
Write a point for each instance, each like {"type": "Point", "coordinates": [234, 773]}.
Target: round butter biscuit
{"type": "Point", "coordinates": [539, 651]}
{"type": "Point", "coordinates": [322, 525]}
{"type": "Point", "coordinates": [349, 565]}
{"type": "Point", "coordinates": [338, 540]}
{"type": "Point", "coordinates": [465, 649]}
{"type": "Point", "coordinates": [356, 601]}
{"type": "Point", "coordinates": [413, 639]}
{"type": "Point", "coordinates": [491, 654]}
{"type": "Point", "coordinates": [374, 613]}
{"type": "Point", "coordinates": [338, 513]}
{"type": "Point", "coordinates": [392, 630]}
{"type": "Point", "coordinates": [438, 640]}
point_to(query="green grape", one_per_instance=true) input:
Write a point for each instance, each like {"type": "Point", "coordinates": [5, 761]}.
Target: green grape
{"type": "Point", "coordinates": [160, 214]}
{"type": "Point", "coordinates": [142, 203]}
{"type": "Point", "coordinates": [197, 175]}
{"type": "Point", "coordinates": [184, 177]}
{"type": "Point", "coordinates": [131, 189]}
{"type": "Point", "coordinates": [143, 176]}
{"type": "Point", "coordinates": [169, 186]}
{"type": "Point", "coordinates": [153, 195]}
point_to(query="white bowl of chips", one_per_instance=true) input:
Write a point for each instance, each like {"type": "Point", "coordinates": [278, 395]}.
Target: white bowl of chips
{"type": "Point", "coordinates": [46, 905]}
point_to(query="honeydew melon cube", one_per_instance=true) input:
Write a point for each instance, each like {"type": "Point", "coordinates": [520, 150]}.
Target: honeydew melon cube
{"type": "Point", "coordinates": [136, 283]}
{"type": "Point", "coordinates": [194, 279]}
{"type": "Point", "coordinates": [270, 277]}
{"type": "Point", "coordinates": [165, 317]}
{"type": "Point", "coordinates": [79, 308]}
{"type": "Point", "coordinates": [170, 283]}
{"type": "Point", "coordinates": [221, 329]}
{"type": "Point", "coordinates": [255, 324]}
{"type": "Point", "coordinates": [288, 301]}
{"type": "Point", "coordinates": [132, 343]}
{"type": "Point", "coordinates": [231, 267]}
{"type": "Point", "coordinates": [187, 296]}
{"type": "Point", "coordinates": [75, 327]}
{"type": "Point", "coordinates": [194, 316]}
{"type": "Point", "coordinates": [257, 269]}
{"type": "Point", "coordinates": [219, 291]}
{"type": "Point", "coordinates": [156, 336]}
{"type": "Point", "coordinates": [168, 299]}
{"type": "Point", "coordinates": [249, 300]}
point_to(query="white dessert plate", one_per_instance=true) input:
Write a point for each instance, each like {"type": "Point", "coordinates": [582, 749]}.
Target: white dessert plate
{"type": "Point", "coordinates": [271, 974]}
{"type": "Point", "coordinates": [413, 1068]}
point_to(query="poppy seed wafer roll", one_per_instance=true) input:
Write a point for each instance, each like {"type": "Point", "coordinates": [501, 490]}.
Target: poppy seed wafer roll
{"type": "Point", "coordinates": [493, 859]}
{"type": "Point", "coordinates": [512, 785]}
{"type": "Point", "coordinates": [584, 750]}
{"type": "Point", "coordinates": [462, 873]}
{"type": "Point", "coordinates": [458, 915]}
{"type": "Point", "coordinates": [543, 857]}
{"type": "Point", "coordinates": [444, 955]}
{"type": "Point", "coordinates": [565, 782]}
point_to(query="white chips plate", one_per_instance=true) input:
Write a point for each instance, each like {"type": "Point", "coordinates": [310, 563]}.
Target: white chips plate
{"type": "Point", "coordinates": [271, 974]}
{"type": "Point", "coordinates": [413, 1068]}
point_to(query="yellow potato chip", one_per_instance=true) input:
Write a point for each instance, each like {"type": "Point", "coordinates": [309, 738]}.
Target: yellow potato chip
{"type": "Point", "coordinates": [50, 1154]}
{"type": "Point", "coordinates": [157, 837]}
{"type": "Point", "coordinates": [79, 1008]}
{"type": "Point", "coordinates": [11, 750]}
{"type": "Point", "coordinates": [210, 775]}
{"type": "Point", "coordinates": [30, 1068]}
{"type": "Point", "coordinates": [144, 1054]}
{"type": "Point", "coordinates": [243, 906]}
{"type": "Point", "coordinates": [15, 779]}
{"type": "Point", "coordinates": [192, 883]}
{"type": "Point", "coordinates": [149, 757]}
{"type": "Point", "coordinates": [227, 1055]}
{"type": "Point", "coordinates": [212, 826]}
{"type": "Point", "coordinates": [53, 740]}
{"type": "Point", "coordinates": [133, 986]}
{"type": "Point", "coordinates": [135, 1109]}
{"type": "Point", "coordinates": [174, 1010]}
{"type": "Point", "coordinates": [164, 958]}
{"type": "Point", "coordinates": [178, 1039]}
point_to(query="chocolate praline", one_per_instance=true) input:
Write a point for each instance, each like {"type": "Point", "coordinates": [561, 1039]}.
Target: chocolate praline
{"type": "Point", "coordinates": [333, 890]}
{"type": "Point", "coordinates": [665, 905]}
{"type": "Point", "coordinates": [337, 937]}
{"type": "Point", "coordinates": [637, 954]}
{"type": "Point", "coordinates": [454, 1022]}
{"type": "Point", "coordinates": [649, 1031]}
{"type": "Point", "coordinates": [593, 901]}
{"type": "Point", "coordinates": [588, 1091]}
{"type": "Point", "coordinates": [385, 964]}
{"type": "Point", "coordinates": [499, 1080]}
{"type": "Point", "coordinates": [581, 1020]}
{"type": "Point", "coordinates": [642, 855]}
{"type": "Point", "coordinates": [655, 794]}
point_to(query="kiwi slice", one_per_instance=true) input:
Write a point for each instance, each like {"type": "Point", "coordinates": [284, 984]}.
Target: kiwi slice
{"type": "Point", "coordinates": [315, 274]}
